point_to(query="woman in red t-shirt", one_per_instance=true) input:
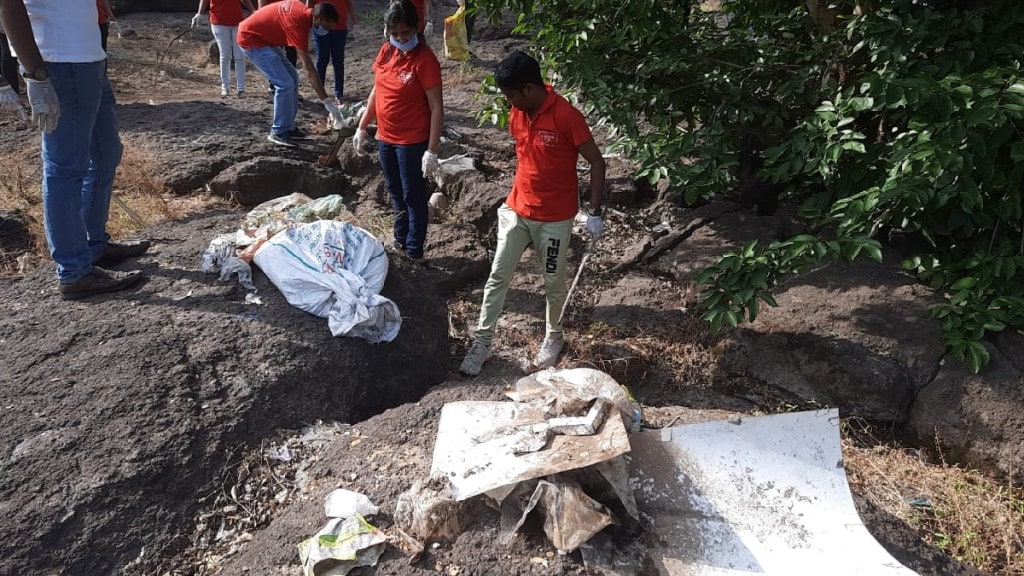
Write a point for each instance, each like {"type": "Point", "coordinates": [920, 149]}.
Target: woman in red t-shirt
{"type": "Point", "coordinates": [406, 102]}
{"type": "Point", "coordinates": [224, 18]}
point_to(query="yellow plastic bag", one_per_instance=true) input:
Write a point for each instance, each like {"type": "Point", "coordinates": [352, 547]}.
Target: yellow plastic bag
{"type": "Point", "coordinates": [456, 43]}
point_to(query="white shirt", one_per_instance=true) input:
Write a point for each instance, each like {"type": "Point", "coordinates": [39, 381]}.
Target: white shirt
{"type": "Point", "coordinates": [66, 30]}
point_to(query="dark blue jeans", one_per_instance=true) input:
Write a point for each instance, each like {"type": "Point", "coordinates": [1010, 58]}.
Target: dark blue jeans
{"type": "Point", "coordinates": [331, 48]}
{"type": "Point", "coordinates": [403, 175]}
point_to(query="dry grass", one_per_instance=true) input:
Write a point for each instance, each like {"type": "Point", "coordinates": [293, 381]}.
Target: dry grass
{"type": "Point", "coordinates": [463, 73]}
{"type": "Point", "coordinates": [148, 201]}
{"type": "Point", "coordinates": [966, 514]}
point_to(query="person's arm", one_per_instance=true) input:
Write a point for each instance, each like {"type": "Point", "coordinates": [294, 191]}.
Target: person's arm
{"type": "Point", "coordinates": [353, 18]}
{"type": "Point", "coordinates": [108, 10]}
{"type": "Point", "coordinates": [428, 11]}
{"type": "Point", "coordinates": [204, 5]}
{"type": "Point", "coordinates": [14, 19]}
{"type": "Point", "coordinates": [371, 110]}
{"type": "Point", "coordinates": [314, 78]}
{"type": "Point", "coordinates": [436, 102]}
{"type": "Point", "coordinates": [590, 151]}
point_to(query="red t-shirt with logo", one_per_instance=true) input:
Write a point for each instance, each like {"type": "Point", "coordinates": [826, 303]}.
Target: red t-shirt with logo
{"type": "Point", "coordinates": [545, 186]}
{"type": "Point", "coordinates": [400, 85]}
{"type": "Point", "coordinates": [285, 23]}
{"type": "Point", "coordinates": [225, 12]}
{"type": "Point", "coordinates": [342, 7]}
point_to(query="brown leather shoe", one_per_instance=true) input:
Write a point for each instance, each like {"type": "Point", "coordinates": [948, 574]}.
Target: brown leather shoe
{"type": "Point", "coordinates": [118, 251]}
{"type": "Point", "coordinates": [99, 281]}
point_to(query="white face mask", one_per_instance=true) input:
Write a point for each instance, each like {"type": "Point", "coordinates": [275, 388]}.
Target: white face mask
{"type": "Point", "coordinates": [409, 45]}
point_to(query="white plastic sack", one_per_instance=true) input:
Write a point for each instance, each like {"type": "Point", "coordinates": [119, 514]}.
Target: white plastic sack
{"type": "Point", "coordinates": [334, 270]}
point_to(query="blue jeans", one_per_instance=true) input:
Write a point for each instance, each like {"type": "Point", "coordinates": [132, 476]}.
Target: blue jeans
{"type": "Point", "coordinates": [403, 175]}
{"type": "Point", "coordinates": [80, 158]}
{"type": "Point", "coordinates": [331, 48]}
{"type": "Point", "coordinates": [276, 67]}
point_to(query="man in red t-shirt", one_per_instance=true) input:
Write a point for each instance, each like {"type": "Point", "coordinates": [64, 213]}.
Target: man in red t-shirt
{"type": "Point", "coordinates": [261, 36]}
{"type": "Point", "coordinates": [550, 134]}
{"type": "Point", "coordinates": [225, 16]}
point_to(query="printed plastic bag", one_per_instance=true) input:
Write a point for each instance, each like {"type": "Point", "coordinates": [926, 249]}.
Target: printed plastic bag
{"type": "Point", "coordinates": [340, 546]}
{"type": "Point", "coordinates": [456, 43]}
{"type": "Point", "coordinates": [334, 270]}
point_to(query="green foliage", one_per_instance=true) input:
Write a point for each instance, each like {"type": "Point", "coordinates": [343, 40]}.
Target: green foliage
{"type": "Point", "coordinates": [494, 107]}
{"type": "Point", "coordinates": [904, 119]}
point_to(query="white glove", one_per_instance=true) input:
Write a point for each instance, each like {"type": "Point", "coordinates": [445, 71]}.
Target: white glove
{"type": "Point", "coordinates": [332, 109]}
{"type": "Point", "coordinates": [196, 19]}
{"type": "Point", "coordinates": [428, 30]}
{"type": "Point", "coordinates": [45, 104]}
{"type": "Point", "coordinates": [594, 225]}
{"type": "Point", "coordinates": [9, 101]}
{"type": "Point", "coordinates": [429, 164]}
{"type": "Point", "coordinates": [359, 141]}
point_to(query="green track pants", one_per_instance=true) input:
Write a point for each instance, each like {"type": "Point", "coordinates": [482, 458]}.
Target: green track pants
{"type": "Point", "coordinates": [515, 233]}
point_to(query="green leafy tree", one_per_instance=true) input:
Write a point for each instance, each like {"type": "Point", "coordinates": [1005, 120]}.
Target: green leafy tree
{"type": "Point", "coordinates": [887, 118]}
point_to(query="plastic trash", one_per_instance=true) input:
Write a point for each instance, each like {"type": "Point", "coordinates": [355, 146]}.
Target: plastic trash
{"type": "Point", "coordinates": [570, 516]}
{"type": "Point", "coordinates": [340, 546]}
{"type": "Point", "coordinates": [456, 41]}
{"type": "Point", "coordinates": [343, 503]}
{"type": "Point", "coordinates": [220, 249]}
{"type": "Point", "coordinates": [572, 392]}
{"type": "Point", "coordinates": [334, 270]}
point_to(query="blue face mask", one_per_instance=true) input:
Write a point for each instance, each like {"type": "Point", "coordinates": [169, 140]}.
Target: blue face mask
{"type": "Point", "coordinates": [319, 30]}
{"type": "Point", "coordinates": [412, 43]}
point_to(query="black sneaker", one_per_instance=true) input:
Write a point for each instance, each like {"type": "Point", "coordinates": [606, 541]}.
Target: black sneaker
{"type": "Point", "coordinates": [298, 134]}
{"type": "Point", "coordinates": [99, 281]}
{"type": "Point", "coordinates": [119, 251]}
{"type": "Point", "coordinates": [281, 140]}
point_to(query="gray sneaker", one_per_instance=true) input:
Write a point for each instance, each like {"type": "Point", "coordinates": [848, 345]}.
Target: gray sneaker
{"type": "Point", "coordinates": [548, 353]}
{"type": "Point", "coordinates": [479, 353]}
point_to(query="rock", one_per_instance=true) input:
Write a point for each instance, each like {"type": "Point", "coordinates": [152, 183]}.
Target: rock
{"type": "Point", "coordinates": [976, 419]}
{"type": "Point", "coordinates": [262, 179]}
{"type": "Point", "coordinates": [456, 256]}
{"type": "Point", "coordinates": [118, 410]}
{"type": "Point", "coordinates": [194, 141]}
{"type": "Point", "coordinates": [477, 200]}
{"type": "Point", "coordinates": [852, 336]}
{"type": "Point", "coordinates": [15, 236]}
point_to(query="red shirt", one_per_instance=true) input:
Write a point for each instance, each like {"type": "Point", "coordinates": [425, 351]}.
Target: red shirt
{"type": "Point", "coordinates": [400, 85]}
{"type": "Point", "coordinates": [342, 7]}
{"type": "Point", "coordinates": [225, 12]}
{"type": "Point", "coordinates": [103, 12]}
{"type": "Point", "coordinates": [545, 186]}
{"type": "Point", "coordinates": [285, 23]}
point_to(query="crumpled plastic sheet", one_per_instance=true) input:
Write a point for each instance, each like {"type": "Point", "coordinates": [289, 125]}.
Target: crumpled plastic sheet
{"type": "Point", "coordinates": [340, 546]}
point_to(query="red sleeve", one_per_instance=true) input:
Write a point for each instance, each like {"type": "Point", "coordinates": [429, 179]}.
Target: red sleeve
{"type": "Point", "coordinates": [576, 125]}
{"type": "Point", "coordinates": [430, 71]}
